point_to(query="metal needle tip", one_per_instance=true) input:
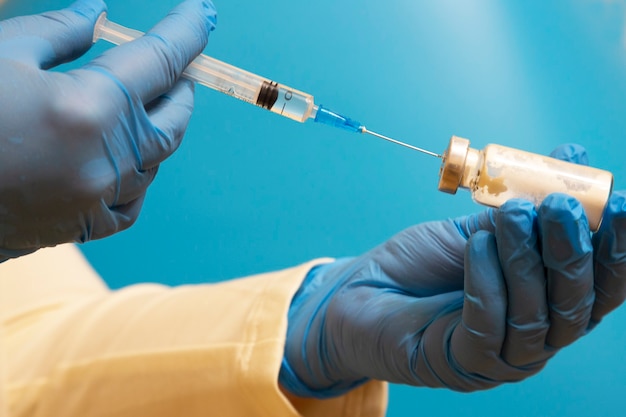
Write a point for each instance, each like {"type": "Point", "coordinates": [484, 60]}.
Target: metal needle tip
{"type": "Point", "coordinates": [397, 142]}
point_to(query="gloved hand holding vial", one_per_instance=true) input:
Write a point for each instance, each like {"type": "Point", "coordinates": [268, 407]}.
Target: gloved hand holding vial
{"type": "Point", "coordinates": [465, 303]}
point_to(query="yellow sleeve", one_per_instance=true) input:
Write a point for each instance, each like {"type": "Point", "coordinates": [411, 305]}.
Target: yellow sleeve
{"type": "Point", "coordinates": [70, 347]}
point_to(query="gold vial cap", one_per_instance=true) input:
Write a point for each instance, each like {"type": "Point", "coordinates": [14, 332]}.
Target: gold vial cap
{"type": "Point", "coordinates": [453, 165]}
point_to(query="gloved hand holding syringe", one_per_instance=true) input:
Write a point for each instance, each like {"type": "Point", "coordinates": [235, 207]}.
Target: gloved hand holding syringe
{"type": "Point", "coordinates": [493, 175]}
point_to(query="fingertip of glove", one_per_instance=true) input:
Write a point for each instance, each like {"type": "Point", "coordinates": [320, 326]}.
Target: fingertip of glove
{"type": "Point", "coordinates": [615, 210]}
{"type": "Point", "coordinates": [561, 207]}
{"type": "Point", "coordinates": [565, 229]}
{"type": "Point", "coordinates": [563, 213]}
{"type": "Point", "coordinates": [483, 236]}
{"type": "Point", "coordinates": [571, 152]}
{"type": "Point", "coordinates": [610, 241]}
{"type": "Point", "coordinates": [211, 12]}
{"type": "Point", "coordinates": [617, 203]}
{"type": "Point", "coordinates": [90, 9]}
{"type": "Point", "coordinates": [206, 9]}
{"type": "Point", "coordinates": [516, 215]}
{"type": "Point", "coordinates": [468, 225]}
{"type": "Point", "coordinates": [517, 207]}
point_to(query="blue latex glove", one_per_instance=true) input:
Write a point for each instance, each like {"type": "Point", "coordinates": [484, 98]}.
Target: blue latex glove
{"type": "Point", "coordinates": [78, 149]}
{"type": "Point", "coordinates": [464, 304]}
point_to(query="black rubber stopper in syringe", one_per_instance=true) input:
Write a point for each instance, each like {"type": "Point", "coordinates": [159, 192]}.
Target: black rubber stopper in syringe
{"type": "Point", "coordinates": [267, 95]}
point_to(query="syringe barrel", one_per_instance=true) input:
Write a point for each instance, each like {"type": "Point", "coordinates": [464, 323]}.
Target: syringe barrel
{"type": "Point", "coordinates": [498, 173]}
{"type": "Point", "coordinates": [251, 88]}
{"type": "Point", "coordinates": [228, 79]}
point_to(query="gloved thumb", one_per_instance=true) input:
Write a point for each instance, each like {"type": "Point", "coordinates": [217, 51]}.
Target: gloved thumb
{"type": "Point", "coordinates": [428, 258]}
{"type": "Point", "coordinates": [53, 38]}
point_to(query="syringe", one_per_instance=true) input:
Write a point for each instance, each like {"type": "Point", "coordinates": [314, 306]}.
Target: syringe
{"type": "Point", "coordinates": [249, 87]}
{"type": "Point", "coordinates": [493, 175]}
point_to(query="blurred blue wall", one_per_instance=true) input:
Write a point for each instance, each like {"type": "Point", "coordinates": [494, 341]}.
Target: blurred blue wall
{"type": "Point", "coordinates": [249, 191]}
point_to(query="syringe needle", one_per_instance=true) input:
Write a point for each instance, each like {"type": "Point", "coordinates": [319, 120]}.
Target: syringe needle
{"type": "Point", "coordinates": [397, 142]}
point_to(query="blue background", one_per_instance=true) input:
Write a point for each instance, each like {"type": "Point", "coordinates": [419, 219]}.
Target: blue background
{"type": "Point", "coordinates": [250, 191]}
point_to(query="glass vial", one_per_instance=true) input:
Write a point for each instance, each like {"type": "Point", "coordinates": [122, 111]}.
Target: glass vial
{"type": "Point", "coordinates": [497, 173]}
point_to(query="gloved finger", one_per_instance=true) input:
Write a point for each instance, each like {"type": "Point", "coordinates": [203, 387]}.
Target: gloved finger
{"type": "Point", "coordinates": [127, 214]}
{"type": "Point", "coordinates": [51, 38]}
{"type": "Point", "coordinates": [520, 258]}
{"type": "Point", "coordinates": [428, 258]}
{"type": "Point", "coordinates": [114, 219]}
{"type": "Point", "coordinates": [170, 115]}
{"type": "Point", "coordinates": [571, 152]}
{"type": "Point", "coordinates": [134, 184]}
{"type": "Point", "coordinates": [477, 340]}
{"type": "Point", "coordinates": [568, 258]}
{"type": "Point", "coordinates": [150, 65]}
{"type": "Point", "coordinates": [610, 258]}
